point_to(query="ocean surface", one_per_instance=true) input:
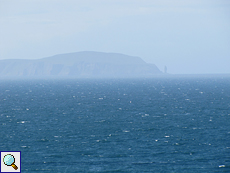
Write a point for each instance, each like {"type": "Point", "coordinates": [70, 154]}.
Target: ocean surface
{"type": "Point", "coordinates": [178, 124]}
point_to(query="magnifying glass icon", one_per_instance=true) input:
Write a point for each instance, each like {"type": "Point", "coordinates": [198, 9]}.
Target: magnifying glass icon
{"type": "Point", "coordinates": [9, 160]}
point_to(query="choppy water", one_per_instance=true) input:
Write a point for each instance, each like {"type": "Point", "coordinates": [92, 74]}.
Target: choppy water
{"type": "Point", "coordinates": [127, 125]}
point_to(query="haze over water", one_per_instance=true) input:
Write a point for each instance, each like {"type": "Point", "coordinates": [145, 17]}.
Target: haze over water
{"type": "Point", "coordinates": [157, 123]}
{"type": "Point", "coordinates": [189, 37]}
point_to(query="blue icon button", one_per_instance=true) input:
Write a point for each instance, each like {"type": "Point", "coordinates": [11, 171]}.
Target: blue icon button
{"type": "Point", "coordinates": [9, 160]}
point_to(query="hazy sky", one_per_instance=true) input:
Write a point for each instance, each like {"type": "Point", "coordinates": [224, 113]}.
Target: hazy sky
{"type": "Point", "coordinates": [188, 36]}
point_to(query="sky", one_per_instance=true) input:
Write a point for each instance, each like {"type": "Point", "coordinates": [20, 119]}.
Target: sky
{"type": "Point", "coordinates": [187, 36]}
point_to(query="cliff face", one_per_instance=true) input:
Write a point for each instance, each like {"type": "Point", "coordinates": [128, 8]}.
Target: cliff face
{"type": "Point", "coordinates": [80, 64]}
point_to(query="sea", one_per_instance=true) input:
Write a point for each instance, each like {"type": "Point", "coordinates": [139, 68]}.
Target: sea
{"type": "Point", "coordinates": [178, 124]}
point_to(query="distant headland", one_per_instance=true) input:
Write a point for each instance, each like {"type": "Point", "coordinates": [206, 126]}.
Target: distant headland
{"type": "Point", "coordinates": [87, 64]}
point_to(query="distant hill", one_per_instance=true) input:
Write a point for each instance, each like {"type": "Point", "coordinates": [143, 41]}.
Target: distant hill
{"type": "Point", "coordinates": [80, 64]}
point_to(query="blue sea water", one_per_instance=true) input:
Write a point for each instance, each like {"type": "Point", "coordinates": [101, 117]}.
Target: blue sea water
{"type": "Point", "coordinates": [118, 125]}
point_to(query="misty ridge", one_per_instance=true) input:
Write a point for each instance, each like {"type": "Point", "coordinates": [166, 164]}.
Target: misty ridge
{"type": "Point", "coordinates": [87, 64]}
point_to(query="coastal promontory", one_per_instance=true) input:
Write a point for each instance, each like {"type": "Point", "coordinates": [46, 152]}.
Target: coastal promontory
{"type": "Point", "coordinates": [85, 64]}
